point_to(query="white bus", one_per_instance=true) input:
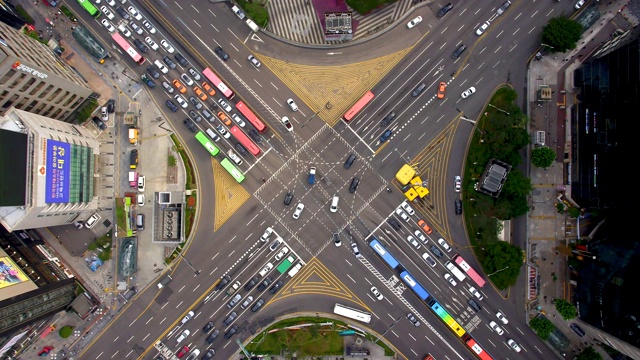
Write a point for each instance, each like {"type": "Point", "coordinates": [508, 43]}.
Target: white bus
{"type": "Point", "coordinates": [455, 271]}
{"type": "Point", "coordinates": [352, 313]}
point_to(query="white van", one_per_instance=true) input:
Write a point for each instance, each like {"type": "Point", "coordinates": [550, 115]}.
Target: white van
{"type": "Point", "coordinates": [295, 269]}
{"type": "Point", "coordinates": [253, 25]}
{"type": "Point", "coordinates": [455, 271]}
{"type": "Point", "coordinates": [334, 203]}
{"type": "Point", "coordinates": [213, 135]}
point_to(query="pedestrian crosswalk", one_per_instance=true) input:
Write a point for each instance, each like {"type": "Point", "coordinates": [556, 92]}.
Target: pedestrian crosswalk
{"type": "Point", "coordinates": [296, 20]}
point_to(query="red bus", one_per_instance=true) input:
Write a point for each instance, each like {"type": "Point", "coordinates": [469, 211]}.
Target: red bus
{"type": "Point", "coordinates": [477, 349]}
{"type": "Point", "coordinates": [245, 141]}
{"type": "Point", "coordinates": [469, 270]}
{"type": "Point", "coordinates": [215, 80]}
{"type": "Point", "coordinates": [249, 115]}
{"type": "Point", "coordinates": [357, 107]}
{"type": "Point", "coordinates": [124, 44]}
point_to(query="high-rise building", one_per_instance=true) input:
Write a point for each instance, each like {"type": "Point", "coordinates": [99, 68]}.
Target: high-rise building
{"type": "Point", "coordinates": [47, 171]}
{"type": "Point", "coordinates": [32, 78]}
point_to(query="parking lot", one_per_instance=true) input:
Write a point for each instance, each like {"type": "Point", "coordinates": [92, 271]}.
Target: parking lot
{"type": "Point", "coordinates": [332, 178]}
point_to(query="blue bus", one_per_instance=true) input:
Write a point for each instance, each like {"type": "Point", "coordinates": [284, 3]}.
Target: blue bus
{"type": "Point", "coordinates": [384, 254]}
{"type": "Point", "coordinates": [414, 285]}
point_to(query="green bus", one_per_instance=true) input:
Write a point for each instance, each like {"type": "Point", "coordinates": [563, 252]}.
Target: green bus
{"type": "Point", "coordinates": [232, 170]}
{"type": "Point", "coordinates": [92, 10]}
{"type": "Point", "coordinates": [286, 264]}
{"type": "Point", "coordinates": [204, 140]}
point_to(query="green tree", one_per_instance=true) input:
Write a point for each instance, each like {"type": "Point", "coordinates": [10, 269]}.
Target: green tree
{"type": "Point", "coordinates": [542, 326]}
{"type": "Point", "coordinates": [172, 160]}
{"type": "Point", "coordinates": [502, 262]}
{"type": "Point", "coordinates": [574, 212]}
{"type": "Point", "coordinates": [589, 354]}
{"type": "Point", "coordinates": [65, 332]}
{"type": "Point", "coordinates": [562, 34]}
{"type": "Point", "coordinates": [566, 310]}
{"type": "Point", "coordinates": [543, 157]}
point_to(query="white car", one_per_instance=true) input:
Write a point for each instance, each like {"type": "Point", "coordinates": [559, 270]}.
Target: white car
{"type": "Point", "coordinates": [92, 220]}
{"type": "Point", "coordinates": [225, 134]}
{"type": "Point", "coordinates": [429, 260]}
{"type": "Point", "coordinates": [266, 234]}
{"type": "Point", "coordinates": [187, 80]}
{"type": "Point", "coordinates": [255, 62]}
{"type": "Point", "coordinates": [141, 183]}
{"type": "Point", "coordinates": [165, 44]}
{"type": "Point", "coordinates": [266, 269]}
{"type": "Point", "coordinates": [236, 159]}
{"type": "Point", "coordinates": [140, 199]}
{"type": "Point", "coordinates": [281, 253]}
{"type": "Point", "coordinates": [151, 43]}
{"type": "Point", "coordinates": [407, 208]}
{"type": "Point", "coordinates": [402, 214]}
{"type": "Point", "coordinates": [123, 29]}
{"type": "Point", "coordinates": [238, 120]}
{"type": "Point", "coordinates": [444, 245]}
{"type": "Point", "coordinates": [512, 343]}
{"type": "Point", "coordinates": [135, 27]}
{"type": "Point", "coordinates": [161, 66]}
{"type": "Point", "coordinates": [475, 293]}
{"type": "Point", "coordinates": [502, 318]}
{"type": "Point", "coordinates": [183, 335]}
{"type": "Point", "coordinates": [457, 183]}
{"type": "Point", "coordinates": [104, 114]}
{"type": "Point", "coordinates": [105, 10]}
{"type": "Point", "coordinates": [135, 13]}
{"type": "Point", "coordinates": [495, 327]}
{"type": "Point", "coordinates": [411, 240]}
{"type": "Point", "coordinates": [356, 252]}
{"type": "Point", "coordinates": [149, 27]}
{"type": "Point", "coordinates": [468, 92]}
{"type": "Point", "coordinates": [450, 279]}
{"type": "Point", "coordinates": [482, 28]}
{"type": "Point", "coordinates": [110, 2]}
{"type": "Point", "coordinates": [414, 22]}
{"type": "Point", "coordinates": [292, 104]}
{"type": "Point", "coordinates": [299, 208]}
{"type": "Point", "coordinates": [108, 25]}
{"type": "Point", "coordinates": [181, 101]}
{"type": "Point", "coordinates": [224, 105]}
{"type": "Point", "coordinates": [287, 123]}
{"type": "Point", "coordinates": [376, 293]}
{"type": "Point", "coordinates": [187, 317]}
{"type": "Point", "coordinates": [420, 236]}
{"type": "Point", "coordinates": [579, 4]}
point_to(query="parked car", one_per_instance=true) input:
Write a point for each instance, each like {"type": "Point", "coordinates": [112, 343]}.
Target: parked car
{"type": "Point", "coordinates": [165, 44]}
{"type": "Point", "coordinates": [444, 10]}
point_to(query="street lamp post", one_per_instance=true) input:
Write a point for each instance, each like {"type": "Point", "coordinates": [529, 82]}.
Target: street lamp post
{"type": "Point", "coordinates": [497, 271]}
{"type": "Point", "coordinates": [497, 108]}
{"type": "Point", "coordinates": [402, 156]}
{"type": "Point", "coordinates": [549, 46]}
{"type": "Point", "coordinates": [197, 272]}
{"type": "Point", "coordinates": [389, 328]}
{"type": "Point", "coordinates": [311, 118]}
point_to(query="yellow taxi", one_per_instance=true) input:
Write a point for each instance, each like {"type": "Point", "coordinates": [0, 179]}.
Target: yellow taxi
{"type": "Point", "coordinates": [179, 86]}
{"type": "Point", "coordinates": [200, 93]}
{"type": "Point", "coordinates": [223, 117]}
{"type": "Point", "coordinates": [208, 88]}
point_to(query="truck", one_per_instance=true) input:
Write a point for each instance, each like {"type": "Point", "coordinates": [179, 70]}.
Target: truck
{"type": "Point", "coordinates": [165, 280]}
{"type": "Point", "coordinates": [133, 136]}
{"type": "Point", "coordinates": [312, 175]}
{"type": "Point", "coordinates": [286, 264]}
{"type": "Point", "coordinates": [133, 179]}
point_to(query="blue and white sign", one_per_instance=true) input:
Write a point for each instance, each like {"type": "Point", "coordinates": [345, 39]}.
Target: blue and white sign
{"type": "Point", "coordinates": [58, 166]}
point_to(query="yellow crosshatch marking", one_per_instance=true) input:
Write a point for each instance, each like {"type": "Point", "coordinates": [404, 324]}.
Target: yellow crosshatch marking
{"type": "Point", "coordinates": [315, 278]}
{"type": "Point", "coordinates": [229, 194]}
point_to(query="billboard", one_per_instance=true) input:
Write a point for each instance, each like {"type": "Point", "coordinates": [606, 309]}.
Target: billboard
{"type": "Point", "coordinates": [57, 175]}
{"type": "Point", "coordinates": [10, 273]}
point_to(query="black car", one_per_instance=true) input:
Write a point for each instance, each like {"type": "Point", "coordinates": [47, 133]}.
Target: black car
{"type": "Point", "coordinates": [458, 205]}
{"type": "Point", "coordinates": [194, 115]}
{"type": "Point", "coordinates": [241, 149]}
{"type": "Point", "coordinates": [474, 305]}
{"type": "Point", "coordinates": [167, 60]}
{"type": "Point", "coordinates": [388, 119]}
{"type": "Point", "coordinates": [207, 115]}
{"type": "Point", "coordinates": [577, 329]}
{"type": "Point", "coordinates": [190, 125]}
{"type": "Point", "coordinates": [140, 45]}
{"type": "Point", "coordinates": [230, 318]}
{"type": "Point", "coordinates": [274, 289]}
{"type": "Point", "coordinates": [418, 90]}
{"type": "Point", "coordinates": [288, 198]}
{"type": "Point", "coordinates": [182, 60]}
{"type": "Point", "coordinates": [207, 327]}
{"type": "Point", "coordinates": [120, 10]}
{"type": "Point", "coordinates": [231, 332]}
{"type": "Point", "coordinates": [394, 224]}
{"type": "Point", "coordinates": [213, 336]}
{"type": "Point", "coordinates": [153, 71]}
{"type": "Point", "coordinates": [456, 54]}
{"type": "Point", "coordinates": [249, 285]}
{"type": "Point", "coordinates": [148, 81]}
{"type": "Point", "coordinates": [255, 136]}
{"type": "Point", "coordinates": [133, 159]}
{"type": "Point", "coordinates": [445, 10]}
{"type": "Point", "coordinates": [171, 106]}
{"type": "Point", "coordinates": [263, 285]}
{"type": "Point", "coordinates": [111, 106]}
{"type": "Point", "coordinates": [354, 185]}
{"type": "Point", "coordinates": [99, 123]}
{"type": "Point", "coordinates": [257, 305]}
{"type": "Point", "coordinates": [209, 354]}
{"type": "Point", "coordinates": [223, 55]}
{"type": "Point", "coordinates": [223, 282]}
{"type": "Point", "coordinates": [195, 102]}
{"type": "Point", "coordinates": [349, 161]}
{"type": "Point", "coordinates": [434, 249]}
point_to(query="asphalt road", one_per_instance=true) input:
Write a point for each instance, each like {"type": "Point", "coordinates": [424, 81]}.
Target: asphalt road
{"type": "Point", "coordinates": [490, 60]}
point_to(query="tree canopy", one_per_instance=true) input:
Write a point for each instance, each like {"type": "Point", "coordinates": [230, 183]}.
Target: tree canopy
{"type": "Point", "coordinates": [543, 157]}
{"type": "Point", "coordinates": [566, 310]}
{"type": "Point", "coordinates": [561, 34]}
{"type": "Point", "coordinates": [589, 353]}
{"type": "Point", "coordinates": [502, 262]}
{"type": "Point", "coordinates": [542, 326]}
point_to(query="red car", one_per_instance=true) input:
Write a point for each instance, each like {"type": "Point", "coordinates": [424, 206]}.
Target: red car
{"type": "Point", "coordinates": [183, 351]}
{"type": "Point", "coordinates": [441, 89]}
